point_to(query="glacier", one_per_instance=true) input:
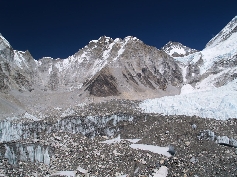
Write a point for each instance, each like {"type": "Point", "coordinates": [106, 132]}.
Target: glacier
{"type": "Point", "coordinates": [88, 126]}
{"type": "Point", "coordinates": [12, 132]}
{"type": "Point", "coordinates": [219, 103]}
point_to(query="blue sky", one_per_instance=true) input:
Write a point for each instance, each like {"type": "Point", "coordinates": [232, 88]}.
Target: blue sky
{"type": "Point", "coordinates": [60, 28]}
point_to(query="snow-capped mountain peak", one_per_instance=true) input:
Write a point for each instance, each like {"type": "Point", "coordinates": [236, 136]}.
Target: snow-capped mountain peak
{"type": "Point", "coordinates": [176, 49]}
{"type": "Point", "coordinates": [224, 34]}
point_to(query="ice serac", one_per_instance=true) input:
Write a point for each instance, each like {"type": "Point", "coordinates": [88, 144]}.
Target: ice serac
{"type": "Point", "coordinates": [219, 103]}
{"type": "Point", "coordinates": [89, 126]}
{"type": "Point", "coordinates": [16, 152]}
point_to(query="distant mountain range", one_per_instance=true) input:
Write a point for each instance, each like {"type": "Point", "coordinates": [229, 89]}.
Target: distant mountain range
{"type": "Point", "coordinates": [114, 68]}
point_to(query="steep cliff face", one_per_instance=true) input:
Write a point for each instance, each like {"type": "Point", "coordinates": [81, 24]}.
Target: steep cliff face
{"type": "Point", "coordinates": [17, 69]}
{"type": "Point", "coordinates": [6, 50]}
{"type": "Point", "coordinates": [6, 56]}
{"type": "Point", "coordinates": [4, 79]}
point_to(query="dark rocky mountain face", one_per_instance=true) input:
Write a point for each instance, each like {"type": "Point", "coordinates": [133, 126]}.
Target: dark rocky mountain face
{"type": "Point", "coordinates": [103, 84]}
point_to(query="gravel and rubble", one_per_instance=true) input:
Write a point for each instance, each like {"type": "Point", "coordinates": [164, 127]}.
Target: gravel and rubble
{"type": "Point", "coordinates": [71, 153]}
